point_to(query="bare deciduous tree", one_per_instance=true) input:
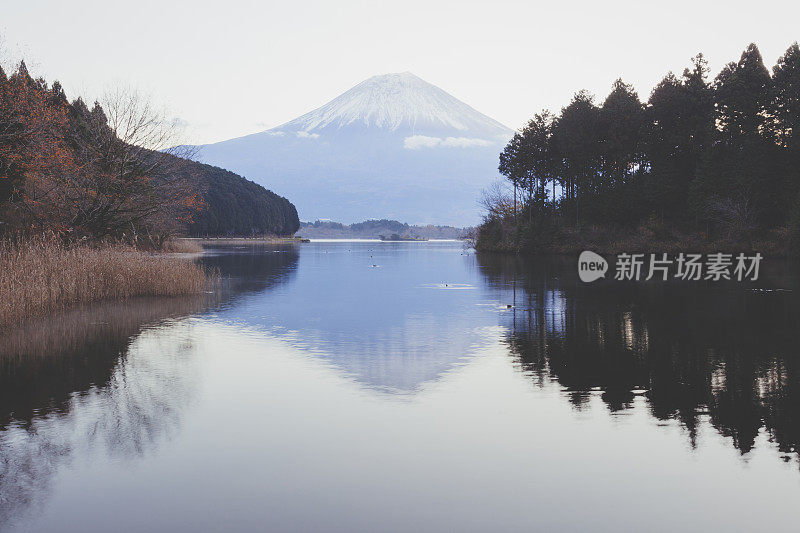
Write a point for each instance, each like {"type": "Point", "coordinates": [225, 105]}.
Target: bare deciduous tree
{"type": "Point", "coordinates": [496, 200]}
{"type": "Point", "coordinates": [130, 177]}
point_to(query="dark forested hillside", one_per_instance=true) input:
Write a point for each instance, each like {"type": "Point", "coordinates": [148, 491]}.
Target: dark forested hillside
{"type": "Point", "coordinates": [701, 163]}
{"type": "Point", "coordinates": [233, 205]}
{"type": "Point", "coordinates": [108, 172]}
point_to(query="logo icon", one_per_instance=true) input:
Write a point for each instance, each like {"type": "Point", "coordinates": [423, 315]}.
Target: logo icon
{"type": "Point", "coordinates": [591, 266]}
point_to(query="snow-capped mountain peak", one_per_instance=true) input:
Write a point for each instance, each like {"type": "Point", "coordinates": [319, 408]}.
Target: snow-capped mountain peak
{"type": "Point", "coordinates": [393, 146]}
{"type": "Point", "coordinates": [393, 102]}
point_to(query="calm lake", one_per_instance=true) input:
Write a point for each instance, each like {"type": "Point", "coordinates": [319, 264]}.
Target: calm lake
{"type": "Point", "coordinates": [367, 386]}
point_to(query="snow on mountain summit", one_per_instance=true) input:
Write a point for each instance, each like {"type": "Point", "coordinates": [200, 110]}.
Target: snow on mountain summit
{"type": "Point", "coordinates": [393, 146]}
{"type": "Point", "coordinates": [395, 102]}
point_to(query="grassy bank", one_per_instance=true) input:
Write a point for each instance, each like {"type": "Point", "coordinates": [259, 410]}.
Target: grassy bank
{"type": "Point", "coordinates": [43, 275]}
{"type": "Point", "coordinates": [263, 239]}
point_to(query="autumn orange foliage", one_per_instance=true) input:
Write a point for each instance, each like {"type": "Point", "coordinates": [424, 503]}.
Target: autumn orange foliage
{"type": "Point", "coordinates": [81, 173]}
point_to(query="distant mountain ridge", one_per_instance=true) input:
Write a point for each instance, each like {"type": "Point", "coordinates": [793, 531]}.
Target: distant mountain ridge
{"type": "Point", "coordinates": [392, 147]}
{"type": "Point", "coordinates": [373, 229]}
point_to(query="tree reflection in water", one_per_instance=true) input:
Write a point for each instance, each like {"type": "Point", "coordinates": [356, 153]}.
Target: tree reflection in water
{"type": "Point", "coordinates": [109, 378]}
{"type": "Point", "coordinates": [726, 355]}
{"type": "Point", "coordinates": [89, 380]}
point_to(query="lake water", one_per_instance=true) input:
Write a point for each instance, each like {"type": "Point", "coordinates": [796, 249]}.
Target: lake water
{"type": "Point", "coordinates": [366, 386]}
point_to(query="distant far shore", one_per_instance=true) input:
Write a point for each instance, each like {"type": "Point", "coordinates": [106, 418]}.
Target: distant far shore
{"type": "Point", "coordinates": [373, 229]}
{"type": "Point", "coordinates": [259, 239]}
{"type": "Point", "coordinates": [366, 239]}
{"type": "Point", "coordinates": [191, 244]}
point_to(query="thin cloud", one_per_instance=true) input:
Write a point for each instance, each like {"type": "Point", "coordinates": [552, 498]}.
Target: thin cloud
{"type": "Point", "coordinates": [465, 142]}
{"type": "Point", "coordinates": [417, 142]}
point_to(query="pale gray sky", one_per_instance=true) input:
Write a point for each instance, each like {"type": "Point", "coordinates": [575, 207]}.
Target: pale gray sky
{"type": "Point", "coordinates": [236, 67]}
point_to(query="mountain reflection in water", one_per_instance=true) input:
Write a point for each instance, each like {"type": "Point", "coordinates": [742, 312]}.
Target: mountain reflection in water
{"type": "Point", "coordinates": [371, 310]}
{"type": "Point", "coordinates": [373, 386]}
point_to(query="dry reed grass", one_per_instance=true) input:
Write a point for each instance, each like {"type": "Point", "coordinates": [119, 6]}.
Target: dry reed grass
{"type": "Point", "coordinates": [182, 246]}
{"type": "Point", "coordinates": [42, 275]}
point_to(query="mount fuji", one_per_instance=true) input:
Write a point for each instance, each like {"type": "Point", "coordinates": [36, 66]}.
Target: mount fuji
{"type": "Point", "coordinates": [393, 146]}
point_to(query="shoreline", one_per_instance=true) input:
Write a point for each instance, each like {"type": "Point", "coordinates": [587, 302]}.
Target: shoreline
{"type": "Point", "coordinates": [668, 248]}
{"type": "Point", "coordinates": [568, 242]}
{"type": "Point", "coordinates": [243, 240]}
